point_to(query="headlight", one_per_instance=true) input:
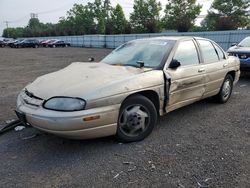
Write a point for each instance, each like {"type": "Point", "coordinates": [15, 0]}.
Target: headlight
{"type": "Point", "coordinates": [66, 104]}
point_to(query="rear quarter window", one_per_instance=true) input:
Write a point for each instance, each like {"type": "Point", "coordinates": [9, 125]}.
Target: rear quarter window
{"type": "Point", "coordinates": [208, 51]}
{"type": "Point", "coordinates": [220, 52]}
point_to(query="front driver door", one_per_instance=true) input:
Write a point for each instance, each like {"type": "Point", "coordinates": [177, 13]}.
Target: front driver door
{"type": "Point", "coordinates": [188, 80]}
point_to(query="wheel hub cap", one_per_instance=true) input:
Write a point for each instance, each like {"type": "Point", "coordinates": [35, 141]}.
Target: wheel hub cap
{"type": "Point", "coordinates": [134, 120]}
{"type": "Point", "coordinates": [226, 89]}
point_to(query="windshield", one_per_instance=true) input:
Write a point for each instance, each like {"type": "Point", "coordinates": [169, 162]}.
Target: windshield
{"type": "Point", "coordinates": [151, 52]}
{"type": "Point", "coordinates": [245, 42]}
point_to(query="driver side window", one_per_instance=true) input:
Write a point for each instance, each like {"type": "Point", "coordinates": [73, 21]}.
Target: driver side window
{"type": "Point", "coordinates": [186, 53]}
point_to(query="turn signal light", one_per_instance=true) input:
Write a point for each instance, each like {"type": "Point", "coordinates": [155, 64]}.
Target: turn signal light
{"type": "Point", "coordinates": [91, 118]}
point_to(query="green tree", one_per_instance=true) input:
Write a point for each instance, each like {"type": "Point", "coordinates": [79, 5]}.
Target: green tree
{"type": "Point", "coordinates": [227, 15]}
{"type": "Point", "coordinates": [100, 15]}
{"type": "Point", "coordinates": [181, 14]}
{"type": "Point", "coordinates": [101, 26]}
{"type": "Point", "coordinates": [146, 16]}
{"type": "Point", "coordinates": [118, 22]}
{"type": "Point", "coordinates": [65, 27]}
{"type": "Point", "coordinates": [13, 32]}
{"type": "Point", "coordinates": [34, 28]}
{"type": "Point", "coordinates": [34, 23]}
{"type": "Point", "coordinates": [81, 19]}
{"type": "Point", "coordinates": [91, 18]}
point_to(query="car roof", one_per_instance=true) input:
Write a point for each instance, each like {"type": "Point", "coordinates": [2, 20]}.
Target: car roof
{"type": "Point", "coordinates": [173, 38]}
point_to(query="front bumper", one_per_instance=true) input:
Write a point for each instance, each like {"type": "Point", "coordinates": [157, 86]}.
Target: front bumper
{"type": "Point", "coordinates": [72, 124]}
{"type": "Point", "coordinates": [245, 64]}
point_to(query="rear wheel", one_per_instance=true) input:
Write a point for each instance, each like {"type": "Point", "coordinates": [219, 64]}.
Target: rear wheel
{"type": "Point", "coordinates": [226, 90]}
{"type": "Point", "coordinates": [137, 118]}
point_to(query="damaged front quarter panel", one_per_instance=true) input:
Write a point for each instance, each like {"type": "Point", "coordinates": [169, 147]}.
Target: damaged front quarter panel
{"type": "Point", "coordinates": [117, 91]}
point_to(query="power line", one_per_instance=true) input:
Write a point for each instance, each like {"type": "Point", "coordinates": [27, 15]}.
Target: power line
{"type": "Point", "coordinates": [54, 10]}
{"type": "Point", "coordinates": [20, 19]}
{"type": "Point", "coordinates": [39, 13]}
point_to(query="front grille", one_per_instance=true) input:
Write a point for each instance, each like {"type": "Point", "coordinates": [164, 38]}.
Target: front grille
{"type": "Point", "coordinates": [30, 98]}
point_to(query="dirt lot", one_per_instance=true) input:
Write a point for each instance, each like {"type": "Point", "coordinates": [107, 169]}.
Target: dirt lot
{"type": "Point", "coordinates": [202, 145]}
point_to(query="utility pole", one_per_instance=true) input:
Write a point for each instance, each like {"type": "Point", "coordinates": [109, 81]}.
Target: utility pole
{"type": "Point", "coordinates": [7, 26]}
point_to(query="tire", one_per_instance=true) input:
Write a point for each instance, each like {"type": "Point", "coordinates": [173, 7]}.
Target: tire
{"type": "Point", "coordinates": [136, 120]}
{"type": "Point", "coordinates": [225, 90]}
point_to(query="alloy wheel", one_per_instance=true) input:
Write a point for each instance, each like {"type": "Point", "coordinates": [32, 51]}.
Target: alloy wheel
{"type": "Point", "coordinates": [226, 89]}
{"type": "Point", "coordinates": [134, 120]}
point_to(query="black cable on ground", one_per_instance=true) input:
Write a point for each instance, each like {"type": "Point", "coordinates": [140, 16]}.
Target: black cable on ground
{"type": "Point", "coordinates": [10, 126]}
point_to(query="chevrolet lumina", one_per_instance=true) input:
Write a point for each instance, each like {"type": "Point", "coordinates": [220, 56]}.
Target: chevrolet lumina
{"type": "Point", "coordinates": [124, 94]}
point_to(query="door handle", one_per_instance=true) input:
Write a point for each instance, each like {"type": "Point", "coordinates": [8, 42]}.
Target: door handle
{"type": "Point", "coordinates": [225, 65]}
{"type": "Point", "coordinates": [201, 70]}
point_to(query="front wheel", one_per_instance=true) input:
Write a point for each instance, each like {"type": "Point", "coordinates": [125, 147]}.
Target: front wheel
{"type": "Point", "coordinates": [137, 118]}
{"type": "Point", "coordinates": [226, 90]}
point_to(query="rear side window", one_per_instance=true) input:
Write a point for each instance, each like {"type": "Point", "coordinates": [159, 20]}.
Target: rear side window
{"type": "Point", "coordinates": [186, 53]}
{"type": "Point", "coordinates": [208, 51]}
{"type": "Point", "coordinates": [220, 52]}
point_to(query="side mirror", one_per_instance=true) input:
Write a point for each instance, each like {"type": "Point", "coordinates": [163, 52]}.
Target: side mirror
{"type": "Point", "coordinates": [91, 59]}
{"type": "Point", "coordinates": [174, 64]}
{"type": "Point", "coordinates": [234, 44]}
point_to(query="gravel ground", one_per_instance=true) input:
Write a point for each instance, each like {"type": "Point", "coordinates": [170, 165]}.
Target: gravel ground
{"type": "Point", "coordinates": [201, 145]}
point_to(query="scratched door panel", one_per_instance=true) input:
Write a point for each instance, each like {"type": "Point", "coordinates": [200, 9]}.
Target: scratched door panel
{"type": "Point", "coordinates": [187, 80]}
{"type": "Point", "coordinates": [187, 85]}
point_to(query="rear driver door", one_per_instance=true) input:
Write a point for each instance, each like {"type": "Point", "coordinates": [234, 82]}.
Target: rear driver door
{"type": "Point", "coordinates": [215, 64]}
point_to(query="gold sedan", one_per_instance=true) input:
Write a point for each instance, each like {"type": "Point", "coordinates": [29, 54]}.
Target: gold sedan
{"type": "Point", "coordinates": [124, 94]}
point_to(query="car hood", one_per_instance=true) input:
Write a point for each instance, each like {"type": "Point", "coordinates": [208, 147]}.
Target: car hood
{"type": "Point", "coordinates": [238, 49]}
{"type": "Point", "coordinates": [81, 79]}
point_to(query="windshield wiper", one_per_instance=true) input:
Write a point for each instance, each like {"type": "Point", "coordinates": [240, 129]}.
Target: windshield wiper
{"type": "Point", "coordinates": [120, 64]}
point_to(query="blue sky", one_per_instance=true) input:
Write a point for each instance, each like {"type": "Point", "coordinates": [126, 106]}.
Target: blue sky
{"type": "Point", "coordinates": [17, 12]}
